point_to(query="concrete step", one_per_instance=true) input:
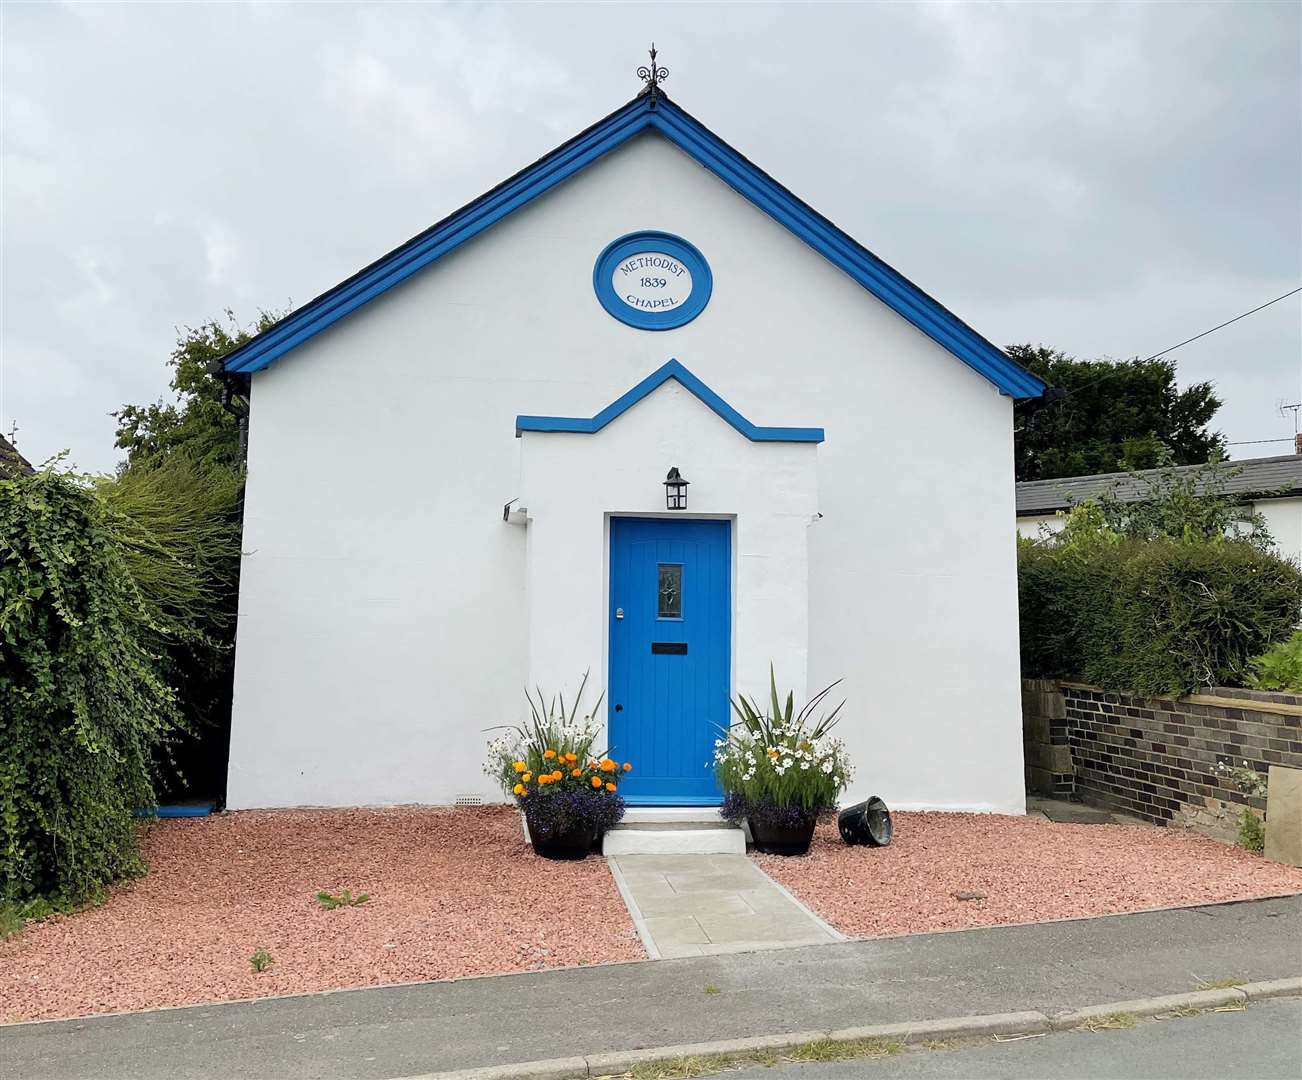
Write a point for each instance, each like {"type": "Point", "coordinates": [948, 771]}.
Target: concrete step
{"type": "Point", "coordinates": [712, 837]}
{"type": "Point", "coordinates": [668, 815]}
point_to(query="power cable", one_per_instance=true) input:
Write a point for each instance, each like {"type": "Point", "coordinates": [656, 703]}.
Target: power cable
{"type": "Point", "coordinates": [1085, 386]}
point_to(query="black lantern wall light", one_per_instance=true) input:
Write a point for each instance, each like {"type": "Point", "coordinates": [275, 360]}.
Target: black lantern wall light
{"type": "Point", "coordinates": [675, 490]}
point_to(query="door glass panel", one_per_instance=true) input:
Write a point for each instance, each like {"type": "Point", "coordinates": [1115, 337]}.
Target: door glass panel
{"type": "Point", "coordinates": [670, 603]}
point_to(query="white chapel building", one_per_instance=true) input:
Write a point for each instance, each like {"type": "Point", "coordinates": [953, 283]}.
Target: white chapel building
{"type": "Point", "coordinates": [459, 484]}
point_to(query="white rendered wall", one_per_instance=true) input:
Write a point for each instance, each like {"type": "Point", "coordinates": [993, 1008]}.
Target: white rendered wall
{"type": "Point", "coordinates": [1284, 520]}
{"type": "Point", "coordinates": [383, 609]}
{"type": "Point", "coordinates": [1033, 525]}
{"type": "Point", "coordinates": [571, 483]}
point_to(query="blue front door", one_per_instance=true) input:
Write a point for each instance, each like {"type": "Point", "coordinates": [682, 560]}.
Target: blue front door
{"type": "Point", "coordinates": [670, 639]}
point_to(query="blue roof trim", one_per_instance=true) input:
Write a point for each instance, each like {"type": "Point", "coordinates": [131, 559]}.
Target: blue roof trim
{"type": "Point", "coordinates": [666, 118]}
{"type": "Point", "coordinates": [672, 370]}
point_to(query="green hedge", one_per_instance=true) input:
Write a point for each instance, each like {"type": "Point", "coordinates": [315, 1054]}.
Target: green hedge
{"type": "Point", "coordinates": [82, 703]}
{"type": "Point", "coordinates": [1154, 616]}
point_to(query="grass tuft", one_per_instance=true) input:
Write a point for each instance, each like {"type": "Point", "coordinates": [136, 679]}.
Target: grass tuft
{"type": "Point", "coordinates": [818, 1050]}
{"type": "Point", "coordinates": [827, 1050]}
{"type": "Point", "coordinates": [11, 921]}
{"type": "Point", "coordinates": [1111, 1022]}
{"type": "Point", "coordinates": [710, 988]}
{"type": "Point", "coordinates": [1219, 984]}
{"type": "Point", "coordinates": [15, 915]}
{"type": "Point", "coordinates": [677, 1070]}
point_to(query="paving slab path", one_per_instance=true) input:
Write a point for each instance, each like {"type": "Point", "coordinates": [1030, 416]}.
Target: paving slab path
{"type": "Point", "coordinates": [703, 905]}
{"type": "Point", "coordinates": [429, 1027]}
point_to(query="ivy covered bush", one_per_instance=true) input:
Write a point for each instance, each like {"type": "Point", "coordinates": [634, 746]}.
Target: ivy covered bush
{"type": "Point", "coordinates": [83, 702]}
{"type": "Point", "coordinates": [1158, 597]}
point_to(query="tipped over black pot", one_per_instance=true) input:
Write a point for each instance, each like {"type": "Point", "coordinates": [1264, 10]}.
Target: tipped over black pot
{"type": "Point", "coordinates": [867, 823]}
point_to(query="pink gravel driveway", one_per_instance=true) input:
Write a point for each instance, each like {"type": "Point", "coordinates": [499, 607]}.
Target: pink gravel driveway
{"type": "Point", "coordinates": [1029, 870]}
{"type": "Point", "coordinates": [453, 892]}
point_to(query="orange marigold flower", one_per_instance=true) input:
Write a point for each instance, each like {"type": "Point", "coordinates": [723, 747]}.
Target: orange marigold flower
{"type": "Point", "coordinates": [596, 781]}
{"type": "Point", "coordinates": [558, 775]}
{"type": "Point", "coordinates": [518, 766]}
{"type": "Point", "coordinates": [571, 757]}
{"type": "Point", "coordinates": [576, 772]}
{"type": "Point", "coordinates": [549, 754]}
{"type": "Point", "coordinates": [607, 765]}
{"type": "Point", "coordinates": [527, 777]}
{"type": "Point", "coordinates": [628, 767]}
{"type": "Point", "coordinates": [610, 787]}
{"type": "Point", "coordinates": [518, 789]}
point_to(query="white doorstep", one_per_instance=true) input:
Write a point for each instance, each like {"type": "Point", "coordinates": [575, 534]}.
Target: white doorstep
{"type": "Point", "coordinates": [669, 815]}
{"type": "Point", "coordinates": [674, 838]}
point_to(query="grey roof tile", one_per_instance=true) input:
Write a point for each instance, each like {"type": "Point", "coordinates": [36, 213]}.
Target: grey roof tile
{"type": "Point", "coordinates": [1274, 476]}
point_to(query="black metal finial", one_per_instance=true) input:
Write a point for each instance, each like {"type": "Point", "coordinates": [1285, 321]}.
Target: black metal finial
{"type": "Point", "coordinates": [653, 76]}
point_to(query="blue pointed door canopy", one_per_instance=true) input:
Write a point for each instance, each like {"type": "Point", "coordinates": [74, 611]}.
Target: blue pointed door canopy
{"type": "Point", "coordinates": [672, 370]}
{"type": "Point", "coordinates": [656, 113]}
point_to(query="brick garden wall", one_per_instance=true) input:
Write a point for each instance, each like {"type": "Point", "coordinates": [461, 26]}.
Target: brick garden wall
{"type": "Point", "coordinates": [1156, 757]}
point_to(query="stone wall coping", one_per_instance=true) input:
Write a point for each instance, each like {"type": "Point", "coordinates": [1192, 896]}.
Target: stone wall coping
{"type": "Point", "coordinates": [1250, 704]}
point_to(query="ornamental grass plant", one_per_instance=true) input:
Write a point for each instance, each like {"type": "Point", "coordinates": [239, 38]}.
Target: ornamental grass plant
{"type": "Point", "coordinates": [779, 766]}
{"type": "Point", "coordinates": [547, 764]}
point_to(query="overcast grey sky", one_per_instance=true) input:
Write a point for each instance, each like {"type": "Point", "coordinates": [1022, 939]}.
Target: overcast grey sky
{"type": "Point", "coordinates": [1105, 179]}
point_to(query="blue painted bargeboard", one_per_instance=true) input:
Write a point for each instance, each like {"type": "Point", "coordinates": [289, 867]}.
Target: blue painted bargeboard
{"type": "Point", "coordinates": [669, 676]}
{"type": "Point", "coordinates": [690, 135]}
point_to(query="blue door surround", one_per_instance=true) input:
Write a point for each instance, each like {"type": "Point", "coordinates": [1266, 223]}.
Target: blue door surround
{"type": "Point", "coordinates": [670, 655]}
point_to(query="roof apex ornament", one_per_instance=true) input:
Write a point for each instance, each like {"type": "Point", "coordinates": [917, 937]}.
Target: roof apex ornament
{"type": "Point", "coordinates": [653, 76]}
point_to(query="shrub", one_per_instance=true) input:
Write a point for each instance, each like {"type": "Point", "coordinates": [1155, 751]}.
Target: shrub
{"type": "Point", "coordinates": [82, 703]}
{"type": "Point", "coordinates": [1280, 666]}
{"type": "Point", "coordinates": [1150, 615]}
{"type": "Point", "coordinates": [777, 765]}
{"type": "Point", "coordinates": [1180, 504]}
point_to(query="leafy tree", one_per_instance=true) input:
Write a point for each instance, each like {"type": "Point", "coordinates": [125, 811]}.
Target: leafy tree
{"type": "Point", "coordinates": [195, 424]}
{"type": "Point", "coordinates": [1118, 415]}
{"type": "Point", "coordinates": [181, 487]}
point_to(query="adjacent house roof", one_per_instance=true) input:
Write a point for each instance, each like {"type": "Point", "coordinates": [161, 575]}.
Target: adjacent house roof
{"type": "Point", "coordinates": [644, 113]}
{"type": "Point", "coordinates": [1271, 477]}
{"type": "Point", "coordinates": [671, 370]}
{"type": "Point", "coordinates": [12, 463]}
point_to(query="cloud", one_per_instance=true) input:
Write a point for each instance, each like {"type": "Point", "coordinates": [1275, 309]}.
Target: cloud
{"type": "Point", "coordinates": [1103, 178]}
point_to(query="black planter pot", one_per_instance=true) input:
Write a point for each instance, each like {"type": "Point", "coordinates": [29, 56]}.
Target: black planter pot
{"type": "Point", "coordinates": [866, 823]}
{"type": "Point", "coordinates": [782, 839]}
{"type": "Point", "coordinates": [575, 843]}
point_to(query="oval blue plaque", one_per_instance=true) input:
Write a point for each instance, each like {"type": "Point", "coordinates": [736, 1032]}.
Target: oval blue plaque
{"type": "Point", "coordinates": [652, 280]}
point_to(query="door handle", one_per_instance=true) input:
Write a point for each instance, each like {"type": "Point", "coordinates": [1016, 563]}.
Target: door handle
{"type": "Point", "coordinates": [619, 708]}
